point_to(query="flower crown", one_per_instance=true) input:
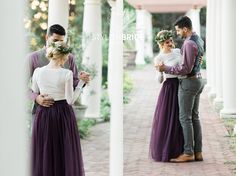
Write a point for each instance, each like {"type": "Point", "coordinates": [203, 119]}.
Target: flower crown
{"type": "Point", "coordinates": [165, 35]}
{"type": "Point", "coordinates": [60, 48]}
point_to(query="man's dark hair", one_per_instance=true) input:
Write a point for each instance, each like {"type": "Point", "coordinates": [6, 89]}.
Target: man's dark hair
{"type": "Point", "coordinates": [57, 29]}
{"type": "Point", "coordinates": [183, 21]}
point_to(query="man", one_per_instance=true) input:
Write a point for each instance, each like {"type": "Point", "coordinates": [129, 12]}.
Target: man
{"type": "Point", "coordinates": [38, 59]}
{"type": "Point", "coordinates": [190, 88]}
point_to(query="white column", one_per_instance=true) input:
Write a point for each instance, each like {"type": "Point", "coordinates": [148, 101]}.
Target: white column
{"type": "Point", "coordinates": [228, 61]}
{"type": "Point", "coordinates": [194, 15]}
{"type": "Point", "coordinates": [112, 50]}
{"type": "Point", "coordinates": [212, 93]}
{"type": "Point", "coordinates": [92, 25]}
{"type": "Point", "coordinates": [209, 27]}
{"type": "Point", "coordinates": [58, 13]}
{"type": "Point", "coordinates": [140, 40]}
{"type": "Point", "coordinates": [218, 101]}
{"type": "Point", "coordinates": [116, 88]}
{"type": "Point", "coordinates": [148, 31]}
{"type": "Point", "coordinates": [13, 117]}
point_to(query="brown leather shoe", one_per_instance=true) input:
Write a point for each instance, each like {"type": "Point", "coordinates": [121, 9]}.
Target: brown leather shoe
{"type": "Point", "coordinates": [198, 156]}
{"type": "Point", "coordinates": [183, 158]}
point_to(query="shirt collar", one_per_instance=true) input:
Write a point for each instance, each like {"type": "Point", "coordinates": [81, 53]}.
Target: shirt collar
{"type": "Point", "coordinates": [188, 38]}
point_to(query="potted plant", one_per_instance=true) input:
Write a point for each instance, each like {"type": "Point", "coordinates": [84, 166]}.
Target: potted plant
{"type": "Point", "coordinates": [79, 109]}
{"type": "Point", "coordinates": [129, 29]}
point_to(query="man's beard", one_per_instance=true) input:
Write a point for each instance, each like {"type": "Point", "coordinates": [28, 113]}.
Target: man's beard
{"type": "Point", "coordinates": [183, 36]}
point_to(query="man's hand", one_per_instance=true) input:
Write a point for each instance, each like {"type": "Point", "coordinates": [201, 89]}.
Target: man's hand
{"type": "Point", "coordinates": [160, 66]}
{"type": "Point", "coordinates": [44, 100]}
{"type": "Point", "coordinates": [84, 76]}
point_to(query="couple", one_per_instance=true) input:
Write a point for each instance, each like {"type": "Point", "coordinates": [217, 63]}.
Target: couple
{"type": "Point", "coordinates": [56, 149]}
{"type": "Point", "coordinates": [176, 132]}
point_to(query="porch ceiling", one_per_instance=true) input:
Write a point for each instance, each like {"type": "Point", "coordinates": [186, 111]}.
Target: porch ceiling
{"type": "Point", "coordinates": [167, 6]}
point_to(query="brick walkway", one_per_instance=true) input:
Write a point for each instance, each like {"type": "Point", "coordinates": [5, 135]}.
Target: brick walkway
{"type": "Point", "coordinates": [95, 150]}
{"type": "Point", "coordinates": [138, 114]}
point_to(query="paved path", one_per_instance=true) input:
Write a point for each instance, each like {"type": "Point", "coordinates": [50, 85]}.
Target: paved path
{"type": "Point", "coordinates": [138, 114]}
{"type": "Point", "coordinates": [95, 150]}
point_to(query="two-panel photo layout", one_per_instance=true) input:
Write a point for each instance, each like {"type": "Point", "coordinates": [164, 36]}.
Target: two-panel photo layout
{"type": "Point", "coordinates": [118, 88]}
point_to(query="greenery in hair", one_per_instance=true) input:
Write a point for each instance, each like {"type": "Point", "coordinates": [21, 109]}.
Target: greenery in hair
{"type": "Point", "coordinates": [164, 36]}
{"type": "Point", "coordinates": [62, 49]}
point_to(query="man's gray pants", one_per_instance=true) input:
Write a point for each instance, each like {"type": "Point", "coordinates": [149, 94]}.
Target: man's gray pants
{"type": "Point", "coordinates": [189, 96]}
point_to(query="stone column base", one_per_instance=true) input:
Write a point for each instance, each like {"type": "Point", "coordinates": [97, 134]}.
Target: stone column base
{"type": "Point", "coordinates": [218, 104]}
{"type": "Point", "coordinates": [225, 113]}
{"type": "Point", "coordinates": [211, 95]}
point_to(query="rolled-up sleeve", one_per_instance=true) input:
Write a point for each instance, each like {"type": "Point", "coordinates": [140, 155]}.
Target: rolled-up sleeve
{"type": "Point", "coordinates": [189, 55]}
{"type": "Point", "coordinates": [74, 69]}
{"type": "Point", "coordinates": [31, 65]}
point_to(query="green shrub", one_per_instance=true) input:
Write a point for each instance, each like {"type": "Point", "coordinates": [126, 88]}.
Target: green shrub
{"type": "Point", "coordinates": [148, 60]}
{"type": "Point", "coordinates": [127, 87]}
{"type": "Point", "coordinates": [203, 66]}
{"type": "Point", "coordinates": [128, 84]}
{"type": "Point", "coordinates": [84, 126]}
{"type": "Point", "coordinates": [105, 106]}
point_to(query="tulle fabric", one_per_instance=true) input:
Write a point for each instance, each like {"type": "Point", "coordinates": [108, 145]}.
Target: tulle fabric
{"type": "Point", "coordinates": [56, 149]}
{"type": "Point", "coordinates": [167, 136]}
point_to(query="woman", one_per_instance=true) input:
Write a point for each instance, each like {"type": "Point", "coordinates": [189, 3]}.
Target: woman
{"type": "Point", "coordinates": [166, 137]}
{"type": "Point", "coordinates": [56, 149]}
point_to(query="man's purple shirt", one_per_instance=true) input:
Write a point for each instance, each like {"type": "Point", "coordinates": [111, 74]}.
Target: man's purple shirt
{"type": "Point", "coordinates": [189, 52]}
{"type": "Point", "coordinates": [38, 59]}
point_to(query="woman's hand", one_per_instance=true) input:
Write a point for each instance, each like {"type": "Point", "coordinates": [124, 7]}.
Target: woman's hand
{"type": "Point", "coordinates": [201, 60]}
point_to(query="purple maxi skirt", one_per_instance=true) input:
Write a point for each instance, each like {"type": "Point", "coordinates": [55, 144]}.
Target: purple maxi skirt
{"type": "Point", "coordinates": [167, 136]}
{"type": "Point", "coordinates": [56, 149]}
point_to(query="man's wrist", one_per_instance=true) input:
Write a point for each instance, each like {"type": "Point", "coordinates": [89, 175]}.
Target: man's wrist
{"type": "Point", "coordinates": [167, 69]}
{"type": "Point", "coordinates": [34, 96]}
